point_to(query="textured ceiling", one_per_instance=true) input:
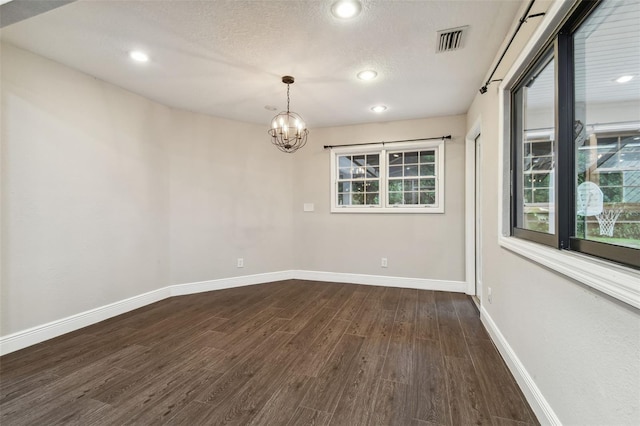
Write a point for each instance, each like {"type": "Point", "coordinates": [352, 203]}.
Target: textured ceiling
{"type": "Point", "coordinates": [226, 58]}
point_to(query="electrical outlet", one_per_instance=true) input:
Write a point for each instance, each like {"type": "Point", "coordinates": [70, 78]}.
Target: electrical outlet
{"type": "Point", "coordinates": [489, 295]}
{"type": "Point", "coordinates": [383, 262]}
{"type": "Point", "coordinates": [240, 262]}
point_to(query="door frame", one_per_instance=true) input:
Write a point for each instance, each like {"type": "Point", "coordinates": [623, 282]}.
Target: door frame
{"type": "Point", "coordinates": [470, 208]}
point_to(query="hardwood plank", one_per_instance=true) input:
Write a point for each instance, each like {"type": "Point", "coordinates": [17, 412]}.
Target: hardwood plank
{"type": "Point", "coordinates": [352, 306]}
{"type": "Point", "coordinates": [284, 402]}
{"type": "Point", "coordinates": [80, 412]}
{"type": "Point", "coordinates": [308, 417]}
{"type": "Point", "coordinates": [316, 355]}
{"type": "Point", "coordinates": [357, 401]}
{"type": "Point", "coordinates": [391, 298]}
{"type": "Point", "coordinates": [399, 360]}
{"type": "Point", "coordinates": [428, 387]}
{"type": "Point", "coordinates": [392, 404]}
{"type": "Point", "coordinates": [501, 391]}
{"type": "Point", "coordinates": [426, 316]}
{"type": "Point", "coordinates": [340, 297]}
{"type": "Point", "coordinates": [327, 387]}
{"type": "Point", "coordinates": [466, 401]}
{"type": "Point", "coordinates": [19, 386]}
{"type": "Point", "coordinates": [316, 303]}
{"type": "Point", "coordinates": [378, 334]}
{"type": "Point", "coordinates": [237, 376]}
{"type": "Point", "coordinates": [450, 330]}
{"type": "Point", "coordinates": [39, 402]}
{"type": "Point", "coordinates": [499, 421]}
{"type": "Point", "coordinates": [161, 399]}
{"type": "Point", "coordinates": [468, 315]}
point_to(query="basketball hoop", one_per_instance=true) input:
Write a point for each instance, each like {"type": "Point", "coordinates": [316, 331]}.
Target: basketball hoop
{"type": "Point", "coordinates": [607, 221]}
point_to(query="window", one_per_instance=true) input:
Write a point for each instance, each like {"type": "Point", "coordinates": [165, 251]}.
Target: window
{"type": "Point", "coordinates": [398, 178]}
{"type": "Point", "coordinates": [575, 122]}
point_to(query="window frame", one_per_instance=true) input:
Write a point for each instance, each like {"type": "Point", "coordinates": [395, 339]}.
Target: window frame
{"type": "Point", "coordinates": [383, 150]}
{"type": "Point", "coordinates": [560, 45]}
{"type": "Point", "coordinates": [617, 281]}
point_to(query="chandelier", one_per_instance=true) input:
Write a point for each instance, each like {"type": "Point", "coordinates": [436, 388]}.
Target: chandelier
{"type": "Point", "coordinates": [288, 131]}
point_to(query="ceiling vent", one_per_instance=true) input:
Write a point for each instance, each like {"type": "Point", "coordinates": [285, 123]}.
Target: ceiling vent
{"type": "Point", "coordinates": [451, 39]}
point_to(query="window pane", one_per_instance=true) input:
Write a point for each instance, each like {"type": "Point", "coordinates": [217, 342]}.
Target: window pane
{"type": "Point", "coordinates": [344, 186]}
{"type": "Point", "coordinates": [428, 170]}
{"type": "Point", "coordinates": [344, 173]}
{"type": "Point", "coordinates": [373, 172]}
{"type": "Point", "coordinates": [427, 183]}
{"type": "Point", "coordinates": [395, 171]}
{"type": "Point", "coordinates": [395, 158]}
{"type": "Point", "coordinates": [410, 158]}
{"type": "Point", "coordinates": [372, 199]}
{"type": "Point", "coordinates": [427, 197]}
{"type": "Point", "coordinates": [357, 199]}
{"type": "Point", "coordinates": [411, 170]}
{"type": "Point", "coordinates": [357, 186]}
{"type": "Point", "coordinates": [395, 185]}
{"type": "Point", "coordinates": [373, 159]}
{"type": "Point", "coordinates": [344, 199]}
{"type": "Point", "coordinates": [395, 198]}
{"type": "Point", "coordinates": [344, 161]}
{"type": "Point", "coordinates": [411, 198]}
{"type": "Point", "coordinates": [607, 141]}
{"type": "Point", "coordinates": [535, 133]}
{"type": "Point", "coordinates": [427, 157]}
{"type": "Point", "coordinates": [373, 186]}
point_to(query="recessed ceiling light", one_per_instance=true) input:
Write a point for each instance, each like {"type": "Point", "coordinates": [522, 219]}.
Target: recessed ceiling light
{"type": "Point", "coordinates": [379, 108]}
{"type": "Point", "coordinates": [624, 78]}
{"type": "Point", "coordinates": [139, 56]}
{"type": "Point", "coordinates": [346, 9]}
{"type": "Point", "coordinates": [367, 75]}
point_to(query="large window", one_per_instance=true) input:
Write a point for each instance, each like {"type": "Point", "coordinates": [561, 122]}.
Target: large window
{"type": "Point", "coordinates": [399, 178]}
{"type": "Point", "coordinates": [576, 136]}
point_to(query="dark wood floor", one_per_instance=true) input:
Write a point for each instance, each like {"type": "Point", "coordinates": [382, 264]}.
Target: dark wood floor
{"type": "Point", "coordinates": [286, 353]}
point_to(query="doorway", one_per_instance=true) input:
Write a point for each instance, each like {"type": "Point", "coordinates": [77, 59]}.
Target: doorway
{"type": "Point", "coordinates": [473, 212]}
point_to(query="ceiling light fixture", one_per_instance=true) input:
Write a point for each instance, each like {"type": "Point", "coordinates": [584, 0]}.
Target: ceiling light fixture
{"type": "Point", "coordinates": [346, 9]}
{"type": "Point", "coordinates": [288, 131]}
{"type": "Point", "coordinates": [367, 75]}
{"type": "Point", "coordinates": [624, 79]}
{"type": "Point", "coordinates": [139, 56]}
{"type": "Point", "coordinates": [379, 108]}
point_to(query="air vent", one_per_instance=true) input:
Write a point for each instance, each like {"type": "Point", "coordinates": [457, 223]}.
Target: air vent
{"type": "Point", "coordinates": [451, 39]}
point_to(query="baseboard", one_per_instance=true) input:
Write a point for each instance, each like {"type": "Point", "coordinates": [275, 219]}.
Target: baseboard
{"type": "Point", "coordinates": [38, 334]}
{"type": "Point", "coordinates": [220, 284]}
{"type": "Point", "coordinates": [536, 399]}
{"type": "Point", "coordinates": [380, 280]}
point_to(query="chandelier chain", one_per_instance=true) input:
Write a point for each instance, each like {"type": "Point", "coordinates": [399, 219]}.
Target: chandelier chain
{"type": "Point", "coordinates": [288, 98]}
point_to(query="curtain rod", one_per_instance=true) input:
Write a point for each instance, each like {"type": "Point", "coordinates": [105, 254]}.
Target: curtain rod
{"type": "Point", "coordinates": [523, 20]}
{"type": "Point", "coordinates": [386, 142]}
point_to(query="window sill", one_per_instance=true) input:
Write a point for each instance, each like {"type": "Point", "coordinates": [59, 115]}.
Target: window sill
{"type": "Point", "coordinates": [617, 281]}
{"type": "Point", "coordinates": [420, 210]}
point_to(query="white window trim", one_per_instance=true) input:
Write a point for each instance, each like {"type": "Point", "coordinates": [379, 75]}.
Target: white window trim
{"type": "Point", "coordinates": [382, 149]}
{"type": "Point", "coordinates": [617, 281]}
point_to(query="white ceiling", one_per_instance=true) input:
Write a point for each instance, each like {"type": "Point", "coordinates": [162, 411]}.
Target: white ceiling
{"type": "Point", "coordinates": [226, 58]}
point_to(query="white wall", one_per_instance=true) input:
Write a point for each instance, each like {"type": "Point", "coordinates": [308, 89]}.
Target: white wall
{"type": "Point", "coordinates": [107, 195]}
{"type": "Point", "coordinates": [84, 192]}
{"type": "Point", "coordinates": [230, 198]}
{"type": "Point", "coordinates": [581, 348]}
{"type": "Point", "coordinates": [427, 246]}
